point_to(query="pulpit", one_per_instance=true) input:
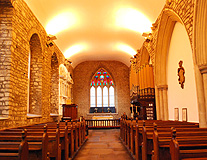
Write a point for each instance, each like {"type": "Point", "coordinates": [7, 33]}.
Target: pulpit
{"type": "Point", "coordinates": [69, 111]}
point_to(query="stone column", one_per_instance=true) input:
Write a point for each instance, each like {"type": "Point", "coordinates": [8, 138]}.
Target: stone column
{"type": "Point", "coordinates": [203, 108]}
{"type": "Point", "coordinates": [200, 97]}
{"type": "Point", "coordinates": [163, 102]}
{"type": "Point", "coordinates": [157, 103]}
{"type": "Point", "coordinates": [200, 52]}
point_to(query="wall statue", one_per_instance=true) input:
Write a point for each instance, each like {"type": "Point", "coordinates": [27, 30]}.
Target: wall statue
{"type": "Point", "coordinates": [181, 72]}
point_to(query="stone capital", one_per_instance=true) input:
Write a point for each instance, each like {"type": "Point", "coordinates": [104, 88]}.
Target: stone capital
{"type": "Point", "coordinates": [203, 68]}
{"type": "Point", "coordinates": [162, 87]}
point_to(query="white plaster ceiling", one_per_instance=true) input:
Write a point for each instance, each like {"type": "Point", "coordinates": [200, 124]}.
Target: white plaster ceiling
{"type": "Point", "coordinates": [96, 28]}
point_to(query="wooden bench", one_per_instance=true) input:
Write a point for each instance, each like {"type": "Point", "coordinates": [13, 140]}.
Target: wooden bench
{"type": "Point", "coordinates": [161, 141]}
{"type": "Point", "coordinates": [188, 148]}
{"type": "Point", "coordinates": [14, 150]}
{"type": "Point", "coordinates": [76, 135]}
{"type": "Point", "coordinates": [67, 137]}
{"type": "Point", "coordinates": [147, 136]}
{"type": "Point", "coordinates": [37, 142]}
{"type": "Point", "coordinates": [131, 133]}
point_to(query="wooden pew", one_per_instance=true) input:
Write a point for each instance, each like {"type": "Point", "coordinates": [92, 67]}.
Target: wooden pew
{"type": "Point", "coordinates": [187, 148]}
{"type": "Point", "coordinates": [161, 141]}
{"type": "Point", "coordinates": [76, 136]}
{"type": "Point", "coordinates": [14, 150]}
{"type": "Point", "coordinates": [147, 136]}
{"type": "Point", "coordinates": [37, 142]}
{"type": "Point", "coordinates": [54, 138]}
{"type": "Point", "coordinates": [70, 137]}
{"type": "Point", "coordinates": [131, 133]}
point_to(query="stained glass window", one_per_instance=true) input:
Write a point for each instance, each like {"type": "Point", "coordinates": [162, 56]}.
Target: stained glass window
{"type": "Point", "coordinates": [99, 97]}
{"type": "Point", "coordinates": [111, 96]}
{"type": "Point", "coordinates": [93, 97]}
{"type": "Point", "coordinates": [102, 89]}
{"type": "Point", "coordinates": [105, 96]}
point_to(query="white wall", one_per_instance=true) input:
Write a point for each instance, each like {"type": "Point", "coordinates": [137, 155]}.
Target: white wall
{"type": "Point", "coordinates": [180, 49]}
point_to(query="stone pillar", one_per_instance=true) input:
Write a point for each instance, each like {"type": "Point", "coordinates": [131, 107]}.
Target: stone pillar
{"type": "Point", "coordinates": [157, 103]}
{"type": "Point", "coordinates": [200, 52]}
{"type": "Point", "coordinates": [200, 97]}
{"type": "Point", "coordinates": [203, 85]}
{"type": "Point", "coordinates": [163, 102]}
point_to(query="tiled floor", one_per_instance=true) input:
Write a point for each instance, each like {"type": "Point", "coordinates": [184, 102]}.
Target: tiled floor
{"type": "Point", "coordinates": [103, 145]}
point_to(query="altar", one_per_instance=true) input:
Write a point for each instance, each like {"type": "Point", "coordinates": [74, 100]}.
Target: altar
{"type": "Point", "coordinates": [101, 120]}
{"type": "Point", "coordinates": [102, 117]}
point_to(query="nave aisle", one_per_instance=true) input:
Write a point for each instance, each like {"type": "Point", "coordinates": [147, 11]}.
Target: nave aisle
{"type": "Point", "coordinates": [103, 145]}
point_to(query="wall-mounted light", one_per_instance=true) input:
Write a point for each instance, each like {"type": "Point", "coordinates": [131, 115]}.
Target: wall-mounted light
{"type": "Point", "coordinates": [148, 36]}
{"type": "Point", "coordinates": [50, 39]}
{"type": "Point", "coordinates": [67, 62]}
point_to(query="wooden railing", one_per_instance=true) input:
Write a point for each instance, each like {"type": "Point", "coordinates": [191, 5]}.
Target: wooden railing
{"type": "Point", "coordinates": [103, 123]}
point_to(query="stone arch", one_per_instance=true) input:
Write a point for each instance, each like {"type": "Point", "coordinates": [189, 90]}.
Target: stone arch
{"type": "Point", "coordinates": [105, 68]}
{"type": "Point", "coordinates": [167, 23]}
{"type": "Point", "coordinates": [35, 31]}
{"type": "Point", "coordinates": [35, 77]}
{"type": "Point", "coordinates": [54, 97]}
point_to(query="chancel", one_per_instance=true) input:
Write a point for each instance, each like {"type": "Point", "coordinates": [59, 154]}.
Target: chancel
{"type": "Point", "coordinates": [116, 79]}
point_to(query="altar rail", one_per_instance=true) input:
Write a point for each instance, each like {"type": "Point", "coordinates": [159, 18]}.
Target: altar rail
{"type": "Point", "coordinates": [103, 123]}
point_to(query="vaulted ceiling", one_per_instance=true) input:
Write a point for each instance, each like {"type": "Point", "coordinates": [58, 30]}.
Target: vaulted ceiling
{"type": "Point", "coordinates": [97, 29]}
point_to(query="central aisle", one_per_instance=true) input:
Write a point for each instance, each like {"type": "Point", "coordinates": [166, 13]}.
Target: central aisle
{"type": "Point", "coordinates": [103, 145]}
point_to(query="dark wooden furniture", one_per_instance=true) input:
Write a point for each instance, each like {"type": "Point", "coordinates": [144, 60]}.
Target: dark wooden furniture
{"type": "Point", "coordinates": [69, 112]}
{"type": "Point", "coordinates": [144, 103]}
{"type": "Point", "coordinates": [12, 150]}
{"type": "Point", "coordinates": [133, 136]}
{"type": "Point", "coordinates": [64, 140]}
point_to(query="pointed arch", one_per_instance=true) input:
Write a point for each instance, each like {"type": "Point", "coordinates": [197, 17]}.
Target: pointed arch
{"type": "Point", "coordinates": [35, 75]}
{"type": "Point", "coordinates": [100, 83]}
{"type": "Point", "coordinates": [166, 27]}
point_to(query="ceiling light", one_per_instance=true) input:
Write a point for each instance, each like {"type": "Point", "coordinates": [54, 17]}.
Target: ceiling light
{"type": "Point", "coordinates": [74, 49]}
{"type": "Point", "coordinates": [61, 22]}
{"type": "Point", "coordinates": [126, 48]}
{"type": "Point", "coordinates": [133, 19]}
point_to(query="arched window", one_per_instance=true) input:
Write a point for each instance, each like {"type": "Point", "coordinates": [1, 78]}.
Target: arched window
{"type": "Point", "coordinates": [99, 96]}
{"type": "Point", "coordinates": [105, 97]}
{"type": "Point", "coordinates": [111, 96]}
{"type": "Point", "coordinates": [102, 92]}
{"type": "Point", "coordinates": [93, 97]}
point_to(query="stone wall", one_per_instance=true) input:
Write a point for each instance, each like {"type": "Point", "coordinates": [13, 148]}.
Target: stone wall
{"type": "Point", "coordinates": [82, 77]}
{"type": "Point", "coordinates": [6, 12]}
{"type": "Point", "coordinates": [18, 26]}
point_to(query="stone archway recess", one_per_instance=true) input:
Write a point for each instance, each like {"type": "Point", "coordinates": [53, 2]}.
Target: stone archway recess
{"type": "Point", "coordinates": [200, 52]}
{"type": "Point", "coordinates": [167, 23]}
{"type": "Point", "coordinates": [36, 69]}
